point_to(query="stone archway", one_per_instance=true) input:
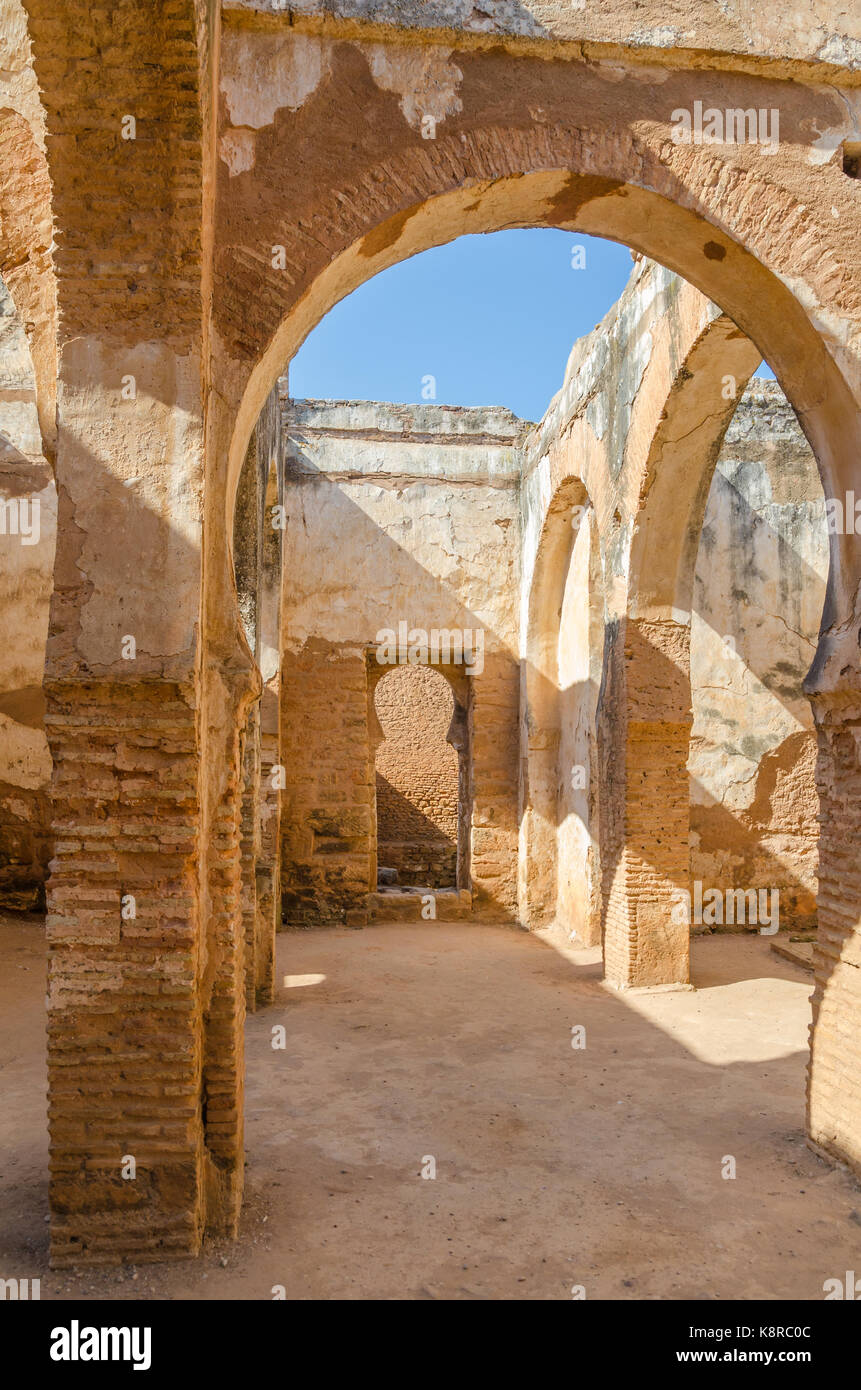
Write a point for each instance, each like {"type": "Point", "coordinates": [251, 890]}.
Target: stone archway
{"type": "Point", "coordinates": [689, 207]}
{"type": "Point", "coordinates": [759, 583]}
{"type": "Point", "coordinates": [327, 174]}
{"type": "Point", "coordinates": [559, 873]}
{"type": "Point", "coordinates": [543, 199]}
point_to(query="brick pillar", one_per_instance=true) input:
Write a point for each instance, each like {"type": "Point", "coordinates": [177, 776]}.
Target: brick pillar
{"type": "Point", "coordinates": [495, 754]}
{"type": "Point", "coordinates": [223, 991]}
{"type": "Point", "coordinates": [123, 723]}
{"type": "Point", "coordinates": [123, 1025]}
{"type": "Point", "coordinates": [834, 1076]}
{"type": "Point", "coordinates": [644, 732]}
{"type": "Point", "coordinates": [328, 805]}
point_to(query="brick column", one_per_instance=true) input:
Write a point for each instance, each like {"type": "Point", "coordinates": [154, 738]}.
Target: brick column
{"type": "Point", "coordinates": [644, 733]}
{"type": "Point", "coordinates": [834, 1076]}
{"type": "Point", "coordinates": [495, 753]}
{"type": "Point", "coordinates": [328, 805]}
{"type": "Point", "coordinates": [223, 984]}
{"type": "Point", "coordinates": [124, 913]}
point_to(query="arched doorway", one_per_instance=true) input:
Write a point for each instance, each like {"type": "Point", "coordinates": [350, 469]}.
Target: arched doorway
{"type": "Point", "coordinates": [335, 183]}
{"type": "Point", "coordinates": [560, 855]}
{"type": "Point", "coordinates": [417, 780]}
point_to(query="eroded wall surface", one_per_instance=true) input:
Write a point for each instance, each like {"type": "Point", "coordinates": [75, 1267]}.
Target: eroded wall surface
{"type": "Point", "coordinates": [28, 527]}
{"type": "Point", "coordinates": [718, 658]}
{"type": "Point", "coordinates": [257, 573]}
{"type": "Point", "coordinates": [396, 515]}
{"type": "Point", "coordinates": [593, 450]}
{"type": "Point", "coordinates": [759, 588]}
{"type": "Point", "coordinates": [417, 778]}
{"type": "Point", "coordinates": [392, 516]}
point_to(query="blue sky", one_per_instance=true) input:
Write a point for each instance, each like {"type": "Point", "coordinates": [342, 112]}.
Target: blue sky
{"type": "Point", "coordinates": [491, 318]}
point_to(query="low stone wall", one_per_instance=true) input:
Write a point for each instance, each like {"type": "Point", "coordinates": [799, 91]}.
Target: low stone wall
{"type": "Point", "coordinates": [420, 863]}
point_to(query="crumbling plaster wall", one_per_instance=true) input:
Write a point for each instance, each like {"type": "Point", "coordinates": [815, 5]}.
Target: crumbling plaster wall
{"type": "Point", "coordinates": [585, 98]}
{"type": "Point", "coordinates": [257, 572]}
{"type": "Point", "coordinates": [395, 514]}
{"type": "Point", "coordinates": [26, 217]}
{"type": "Point", "coordinates": [817, 30]}
{"type": "Point", "coordinates": [759, 584]}
{"type": "Point", "coordinates": [759, 589]}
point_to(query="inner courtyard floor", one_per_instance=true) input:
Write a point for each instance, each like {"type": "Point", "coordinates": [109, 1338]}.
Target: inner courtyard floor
{"type": "Point", "coordinates": [596, 1166]}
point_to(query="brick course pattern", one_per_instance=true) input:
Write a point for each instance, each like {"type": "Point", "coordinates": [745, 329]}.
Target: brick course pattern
{"type": "Point", "coordinates": [416, 778]}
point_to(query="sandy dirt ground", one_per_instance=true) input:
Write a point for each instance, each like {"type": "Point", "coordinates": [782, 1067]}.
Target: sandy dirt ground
{"type": "Point", "coordinates": [556, 1166]}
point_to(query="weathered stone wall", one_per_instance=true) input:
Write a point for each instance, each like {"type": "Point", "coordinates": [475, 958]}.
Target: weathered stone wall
{"type": "Point", "coordinates": [818, 31]}
{"type": "Point", "coordinates": [648, 370]}
{"type": "Point", "coordinates": [28, 525]}
{"type": "Point", "coordinates": [416, 778]}
{"type": "Point", "coordinates": [562, 117]}
{"type": "Point", "coordinates": [257, 571]}
{"type": "Point", "coordinates": [395, 515]}
{"type": "Point", "coordinates": [27, 215]}
{"type": "Point", "coordinates": [758, 594]}
{"type": "Point", "coordinates": [753, 606]}
{"type": "Point", "coordinates": [758, 585]}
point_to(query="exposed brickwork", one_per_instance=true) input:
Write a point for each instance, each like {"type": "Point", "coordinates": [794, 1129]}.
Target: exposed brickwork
{"type": "Point", "coordinates": [378, 498]}
{"type": "Point", "coordinates": [223, 986]}
{"type": "Point", "coordinates": [250, 850]}
{"type": "Point", "coordinates": [327, 807]}
{"type": "Point", "coordinates": [834, 1080]}
{"type": "Point", "coordinates": [139, 223]}
{"type": "Point", "coordinates": [124, 1019]}
{"type": "Point", "coordinates": [416, 778]}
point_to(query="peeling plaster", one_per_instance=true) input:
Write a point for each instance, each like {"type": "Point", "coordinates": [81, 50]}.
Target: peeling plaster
{"type": "Point", "coordinates": [833, 136]}
{"type": "Point", "coordinates": [425, 80]}
{"type": "Point", "coordinates": [261, 75]}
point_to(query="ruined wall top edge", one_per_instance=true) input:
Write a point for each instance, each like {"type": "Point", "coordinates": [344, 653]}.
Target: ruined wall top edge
{"type": "Point", "coordinates": [403, 421]}
{"type": "Point", "coordinates": [819, 31]}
